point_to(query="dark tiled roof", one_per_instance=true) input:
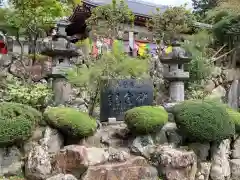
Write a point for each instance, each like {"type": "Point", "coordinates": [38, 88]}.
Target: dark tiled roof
{"type": "Point", "coordinates": [138, 7]}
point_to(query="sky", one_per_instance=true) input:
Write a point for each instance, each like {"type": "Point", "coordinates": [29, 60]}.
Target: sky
{"type": "Point", "coordinates": [172, 2]}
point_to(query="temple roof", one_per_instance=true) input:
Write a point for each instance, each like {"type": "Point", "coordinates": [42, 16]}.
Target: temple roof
{"type": "Point", "coordinates": [138, 7]}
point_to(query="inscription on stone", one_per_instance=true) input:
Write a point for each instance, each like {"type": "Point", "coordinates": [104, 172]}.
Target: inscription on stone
{"type": "Point", "coordinates": [122, 95]}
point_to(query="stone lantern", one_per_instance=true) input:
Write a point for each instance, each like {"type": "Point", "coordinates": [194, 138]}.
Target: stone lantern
{"type": "Point", "coordinates": [174, 72]}
{"type": "Point", "coordinates": [61, 50]}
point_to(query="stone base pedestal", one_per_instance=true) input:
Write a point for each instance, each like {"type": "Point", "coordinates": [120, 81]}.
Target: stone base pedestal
{"type": "Point", "coordinates": [176, 91]}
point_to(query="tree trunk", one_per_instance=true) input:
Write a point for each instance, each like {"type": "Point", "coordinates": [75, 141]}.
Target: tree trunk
{"type": "Point", "coordinates": [93, 102]}
{"type": "Point", "coordinates": [21, 56]}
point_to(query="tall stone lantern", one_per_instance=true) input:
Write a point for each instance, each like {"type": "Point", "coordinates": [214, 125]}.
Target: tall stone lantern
{"type": "Point", "coordinates": [174, 71]}
{"type": "Point", "coordinates": [61, 50]}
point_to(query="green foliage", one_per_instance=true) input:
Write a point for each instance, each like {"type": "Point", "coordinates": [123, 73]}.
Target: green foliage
{"type": "Point", "coordinates": [196, 92]}
{"type": "Point", "coordinates": [227, 30]}
{"type": "Point", "coordinates": [202, 6]}
{"type": "Point", "coordinates": [204, 121]}
{"type": "Point", "coordinates": [34, 16]}
{"type": "Point", "coordinates": [172, 22]}
{"type": "Point", "coordinates": [12, 178]}
{"type": "Point", "coordinates": [17, 122]}
{"type": "Point", "coordinates": [36, 95]}
{"type": "Point", "coordinates": [71, 121]}
{"type": "Point", "coordinates": [145, 119]}
{"type": "Point", "coordinates": [235, 116]}
{"type": "Point", "coordinates": [201, 65]}
{"type": "Point", "coordinates": [225, 18]}
{"type": "Point", "coordinates": [108, 20]}
{"type": "Point", "coordinates": [32, 19]}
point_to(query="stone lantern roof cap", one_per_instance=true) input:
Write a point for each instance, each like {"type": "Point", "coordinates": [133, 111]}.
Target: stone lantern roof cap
{"type": "Point", "coordinates": [177, 56]}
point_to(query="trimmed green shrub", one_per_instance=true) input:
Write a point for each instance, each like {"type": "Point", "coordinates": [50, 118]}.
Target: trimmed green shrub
{"type": "Point", "coordinates": [204, 121]}
{"type": "Point", "coordinates": [71, 121]}
{"type": "Point", "coordinates": [235, 116]}
{"type": "Point", "coordinates": [145, 119]}
{"type": "Point", "coordinates": [17, 122]}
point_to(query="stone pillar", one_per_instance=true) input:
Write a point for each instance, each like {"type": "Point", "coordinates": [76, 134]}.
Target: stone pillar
{"type": "Point", "coordinates": [62, 91]}
{"type": "Point", "coordinates": [176, 91]}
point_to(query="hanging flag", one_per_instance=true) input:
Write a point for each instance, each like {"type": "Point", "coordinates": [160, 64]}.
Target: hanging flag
{"type": "Point", "coordinates": [143, 49]}
{"type": "Point", "coordinates": [168, 50]}
{"type": "Point", "coordinates": [94, 50]}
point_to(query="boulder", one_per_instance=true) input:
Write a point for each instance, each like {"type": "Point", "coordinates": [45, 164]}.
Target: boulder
{"type": "Point", "coordinates": [202, 150]}
{"type": "Point", "coordinates": [235, 169]}
{"type": "Point", "coordinates": [62, 177]}
{"type": "Point", "coordinates": [142, 145]}
{"type": "Point", "coordinates": [220, 164]}
{"type": "Point", "coordinates": [71, 159]}
{"type": "Point", "coordinates": [168, 134]}
{"type": "Point", "coordinates": [117, 156]}
{"type": "Point", "coordinates": [38, 165]}
{"type": "Point", "coordinates": [203, 171]}
{"type": "Point", "coordinates": [136, 168]}
{"type": "Point", "coordinates": [37, 71]}
{"type": "Point", "coordinates": [75, 159]}
{"type": "Point", "coordinates": [37, 134]}
{"type": "Point", "coordinates": [236, 149]}
{"type": "Point", "coordinates": [114, 135]}
{"type": "Point", "coordinates": [210, 85]}
{"type": "Point", "coordinates": [218, 92]}
{"type": "Point", "coordinates": [175, 164]}
{"type": "Point", "coordinates": [52, 139]}
{"type": "Point", "coordinates": [10, 161]}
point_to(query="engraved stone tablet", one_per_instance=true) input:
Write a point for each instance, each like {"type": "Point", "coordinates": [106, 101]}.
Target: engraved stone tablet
{"type": "Point", "coordinates": [118, 96]}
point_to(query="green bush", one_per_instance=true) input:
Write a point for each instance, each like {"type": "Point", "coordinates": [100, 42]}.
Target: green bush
{"type": "Point", "coordinates": [70, 121]}
{"type": "Point", "coordinates": [204, 121]}
{"type": "Point", "coordinates": [235, 116]}
{"type": "Point", "coordinates": [34, 95]}
{"type": "Point", "coordinates": [145, 119]}
{"type": "Point", "coordinates": [17, 122]}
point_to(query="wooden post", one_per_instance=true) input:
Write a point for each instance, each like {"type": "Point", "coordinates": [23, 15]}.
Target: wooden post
{"type": "Point", "coordinates": [132, 43]}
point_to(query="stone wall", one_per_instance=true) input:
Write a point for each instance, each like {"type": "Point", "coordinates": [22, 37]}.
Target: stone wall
{"type": "Point", "coordinates": [114, 153]}
{"type": "Point", "coordinates": [225, 83]}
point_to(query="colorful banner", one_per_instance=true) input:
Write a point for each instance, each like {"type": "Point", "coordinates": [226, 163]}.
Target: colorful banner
{"type": "Point", "coordinates": [142, 48]}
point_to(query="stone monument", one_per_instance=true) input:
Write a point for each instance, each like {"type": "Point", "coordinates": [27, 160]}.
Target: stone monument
{"type": "Point", "coordinates": [61, 50]}
{"type": "Point", "coordinates": [175, 73]}
{"type": "Point", "coordinates": [118, 96]}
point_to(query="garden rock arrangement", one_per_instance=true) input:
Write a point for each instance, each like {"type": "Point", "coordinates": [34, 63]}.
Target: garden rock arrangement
{"type": "Point", "coordinates": [200, 143]}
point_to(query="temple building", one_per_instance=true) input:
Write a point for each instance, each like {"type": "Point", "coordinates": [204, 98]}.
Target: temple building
{"type": "Point", "coordinates": [138, 37]}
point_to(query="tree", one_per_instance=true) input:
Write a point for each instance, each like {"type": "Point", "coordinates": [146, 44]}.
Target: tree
{"type": "Point", "coordinates": [225, 18]}
{"type": "Point", "coordinates": [202, 6]}
{"type": "Point", "coordinates": [170, 24]}
{"type": "Point", "coordinates": [31, 19]}
{"type": "Point", "coordinates": [108, 20]}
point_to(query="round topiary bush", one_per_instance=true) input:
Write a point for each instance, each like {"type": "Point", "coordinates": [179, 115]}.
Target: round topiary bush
{"type": "Point", "coordinates": [70, 121]}
{"type": "Point", "coordinates": [145, 119]}
{"type": "Point", "coordinates": [17, 122]}
{"type": "Point", "coordinates": [204, 121]}
{"type": "Point", "coordinates": [235, 116]}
